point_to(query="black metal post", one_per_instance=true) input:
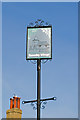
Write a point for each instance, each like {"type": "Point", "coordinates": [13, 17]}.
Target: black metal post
{"type": "Point", "coordinates": [38, 88]}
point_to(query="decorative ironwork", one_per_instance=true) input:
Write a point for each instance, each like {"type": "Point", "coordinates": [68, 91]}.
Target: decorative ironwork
{"type": "Point", "coordinates": [44, 61]}
{"type": "Point", "coordinates": [33, 61]}
{"type": "Point", "coordinates": [34, 105]}
{"type": "Point", "coordinates": [39, 103]}
{"type": "Point", "coordinates": [42, 105]}
{"type": "Point", "coordinates": [43, 102]}
{"type": "Point", "coordinates": [38, 22]}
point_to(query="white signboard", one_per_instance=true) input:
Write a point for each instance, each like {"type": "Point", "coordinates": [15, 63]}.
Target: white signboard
{"type": "Point", "coordinates": [39, 42]}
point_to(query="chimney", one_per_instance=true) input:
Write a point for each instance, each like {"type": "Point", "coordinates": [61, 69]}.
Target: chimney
{"type": "Point", "coordinates": [14, 111]}
{"type": "Point", "coordinates": [11, 103]}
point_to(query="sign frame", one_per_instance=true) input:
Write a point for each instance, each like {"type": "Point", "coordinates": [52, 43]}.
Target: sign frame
{"type": "Point", "coordinates": [27, 43]}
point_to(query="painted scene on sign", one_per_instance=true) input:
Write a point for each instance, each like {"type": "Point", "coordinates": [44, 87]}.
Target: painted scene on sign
{"type": "Point", "coordinates": [39, 43]}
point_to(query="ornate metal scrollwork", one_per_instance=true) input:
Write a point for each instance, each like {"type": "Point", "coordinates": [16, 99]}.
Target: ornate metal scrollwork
{"type": "Point", "coordinates": [34, 105]}
{"type": "Point", "coordinates": [38, 22]}
{"type": "Point", "coordinates": [42, 105]}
